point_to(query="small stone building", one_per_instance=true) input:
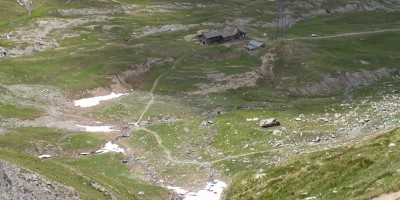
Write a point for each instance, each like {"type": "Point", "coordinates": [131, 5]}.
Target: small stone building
{"type": "Point", "coordinates": [220, 36]}
{"type": "Point", "coordinates": [253, 45]}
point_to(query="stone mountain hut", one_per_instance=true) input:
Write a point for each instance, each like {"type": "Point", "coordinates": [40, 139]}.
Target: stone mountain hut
{"type": "Point", "coordinates": [253, 45]}
{"type": "Point", "coordinates": [220, 36]}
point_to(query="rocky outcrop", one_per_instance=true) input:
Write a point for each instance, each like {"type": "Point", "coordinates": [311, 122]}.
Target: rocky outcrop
{"type": "Point", "coordinates": [265, 123]}
{"type": "Point", "coordinates": [3, 52]}
{"type": "Point", "coordinates": [16, 183]}
{"type": "Point", "coordinates": [341, 80]}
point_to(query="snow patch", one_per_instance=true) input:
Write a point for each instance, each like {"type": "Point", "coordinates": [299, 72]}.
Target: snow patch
{"type": "Point", "coordinates": [89, 102]}
{"type": "Point", "coordinates": [95, 129]}
{"type": "Point", "coordinates": [212, 191]}
{"type": "Point", "coordinates": [110, 147]}
{"type": "Point", "coordinates": [178, 190]}
{"type": "Point", "coordinates": [44, 156]}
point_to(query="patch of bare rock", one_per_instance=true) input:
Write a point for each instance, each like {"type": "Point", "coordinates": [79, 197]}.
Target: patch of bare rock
{"type": "Point", "coordinates": [35, 38]}
{"type": "Point", "coordinates": [340, 80]}
{"type": "Point", "coordinates": [17, 183]}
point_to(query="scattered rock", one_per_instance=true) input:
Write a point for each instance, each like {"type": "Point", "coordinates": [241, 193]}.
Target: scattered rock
{"type": "Point", "coordinates": [207, 123]}
{"type": "Point", "coordinates": [56, 43]}
{"type": "Point", "coordinates": [297, 119]}
{"type": "Point", "coordinates": [277, 132]}
{"type": "Point", "coordinates": [265, 123]}
{"type": "Point", "coordinates": [392, 145]}
{"type": "Point", "coordinates": [257, 176]}
{"type": "Point", "coordinates": [186, 129]}
{"type": "Point", "coordinates": [323, 119]}
{"type": "Point", "coordinates": [363, 62]}
{"type": "Point", "coordinates": [318, 139]}
{"type": "Point", "coordinates": [252, 119]}
{"type": "Point", "coordinates": [4, 52]}
{"type": "Point", "coordinates": [141, 193]}
{"type": "Point", "coordinates": [337, 115]}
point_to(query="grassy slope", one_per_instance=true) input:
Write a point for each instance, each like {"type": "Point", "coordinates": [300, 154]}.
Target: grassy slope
{"type": "Point", "coordinates": [314, 58]}
{"type": "Point", "coordinates": [360, 171]}
{"type": "Point", "coordinates": [78, 172]}
{"type": "Point", "coordinates": [345, 23]}
{"type": "Point", "coordinates": [55, 172]}
{"type": "Point", "coordinates": [85, 62]}
{"type": "Point", "coordinates": [76, 69]}
{"type": "Point", "coordinates": [15, 111]}
{"type": "Point", "coordinates": [10, 10]}
{"type": "Point", "coordinates": [36, 141]}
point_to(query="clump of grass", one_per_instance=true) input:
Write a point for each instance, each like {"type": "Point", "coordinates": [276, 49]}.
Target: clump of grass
{"type": "Point", "coordinates": [20, 112]}
{"type": "Point", "coordinates": [34, 141]}
{"type": "Point", "coordinates": [81, 142]}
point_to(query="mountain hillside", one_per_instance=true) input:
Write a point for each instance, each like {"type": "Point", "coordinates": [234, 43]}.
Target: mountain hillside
{"type": "Point", "coordinates": [236, 99]}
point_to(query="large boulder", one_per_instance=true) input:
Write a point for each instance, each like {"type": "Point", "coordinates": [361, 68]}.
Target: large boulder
{"type": "Point", "coordinates": [3, 52]}
{"type": "Point", "coordinates": [265, 123]}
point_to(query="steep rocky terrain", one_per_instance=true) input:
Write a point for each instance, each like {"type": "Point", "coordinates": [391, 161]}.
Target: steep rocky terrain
{"type": "Point", "coordinates": [17, 183]}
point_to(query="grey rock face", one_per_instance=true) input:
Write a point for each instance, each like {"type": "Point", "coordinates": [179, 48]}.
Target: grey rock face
{"type": "Point", "coordinates": [4, 52]}
{"type": "Point", "coordinates": [22, 184]}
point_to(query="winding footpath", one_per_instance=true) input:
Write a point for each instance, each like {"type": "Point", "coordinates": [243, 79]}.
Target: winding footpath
{"type": "Point", "coordinates": [151, 92]}
{"type": "Point", "coordinates": [168, 152]}
{"type": "Point", "coordinates": [344, 34]}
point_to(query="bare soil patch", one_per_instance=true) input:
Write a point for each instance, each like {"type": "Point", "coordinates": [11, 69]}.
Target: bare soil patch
{"type": "Point", "coordinates": [389, 196]}
{"type": "Point", "coordinates": [221, 82]}
{"type": "Point", "coordinates": [146, 31]}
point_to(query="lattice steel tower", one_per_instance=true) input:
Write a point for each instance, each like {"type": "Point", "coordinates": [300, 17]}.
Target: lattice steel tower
{"type": "Point", "coordinates": [281, 20]}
